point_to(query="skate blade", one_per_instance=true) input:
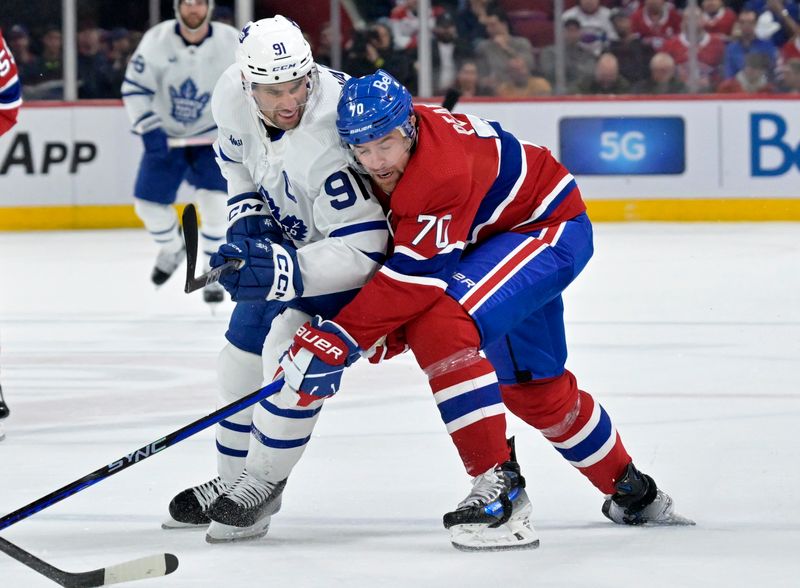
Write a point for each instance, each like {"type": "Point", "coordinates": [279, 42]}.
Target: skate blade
{"type": "Point", "coordinates": [221, 533]}
{"type": "Point", "coordinates": [518, 533]}
{"type": "Point", "coordinates": [674, 520]}
{"type": "Point", "coordinates": [173, 525]}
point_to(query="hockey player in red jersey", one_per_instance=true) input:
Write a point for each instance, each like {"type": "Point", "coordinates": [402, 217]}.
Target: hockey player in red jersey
{"type": "Point", "coordinates": [10, 89]}
{"type": "Point", "coordinates": [488, 231]}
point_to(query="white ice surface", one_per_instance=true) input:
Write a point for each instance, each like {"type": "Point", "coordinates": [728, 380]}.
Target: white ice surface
{"type": "Point", "coordinates": [689, 334]}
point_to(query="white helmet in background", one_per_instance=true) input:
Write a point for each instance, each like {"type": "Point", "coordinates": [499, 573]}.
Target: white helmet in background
{"type": "Point", "coordinates": [274, 51]}
{"type": "Point", "coordinates": [176, 7]}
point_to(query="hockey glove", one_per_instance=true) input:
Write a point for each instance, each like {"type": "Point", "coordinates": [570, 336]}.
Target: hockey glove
{"type": "Point", "coordinates": [313, 366]}
{"type": "Point", "coordinates": [155, 143]}
{"type": "Point", "coordinates": [268, 271]}
{"type": "Point", "coordinates": [249, 217]}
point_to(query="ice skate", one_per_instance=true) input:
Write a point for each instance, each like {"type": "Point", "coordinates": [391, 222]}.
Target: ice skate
{"type": "Point", "coordinates": [496, 514]}
{"type": "Point", "coordinates": [213, 293]}
{"type": "Point", "coordinates": [189, 508]}
{"type": "Point", "coordinates": [638, 501]}
{"type": "Point", "coordinates": [245, 510]}
{"type": "Point", "coordinates": [167, 262]}
{"type": "Point", "coordinates": [4, 412]}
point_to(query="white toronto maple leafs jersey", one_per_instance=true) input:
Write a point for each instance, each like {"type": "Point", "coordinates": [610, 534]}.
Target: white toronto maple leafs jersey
{"type": "Point", "coordinates": [302, 179]}
{"type": "Point", "coordinates": [168, 83]}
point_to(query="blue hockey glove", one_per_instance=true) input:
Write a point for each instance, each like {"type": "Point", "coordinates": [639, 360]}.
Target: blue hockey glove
{"type": "Point", "coordinates": [155, 143]}
{"type": "Point", "coordinates": [249, 218]}
{"type": "Point", "coordinates": [314, 364]}
{"type": "Point", "coordinates": [268, 271]}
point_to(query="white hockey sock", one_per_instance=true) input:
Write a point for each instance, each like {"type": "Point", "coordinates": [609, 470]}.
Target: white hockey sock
{"type": "Point", "coordinates": [239, 374]}
{"type": "Point", "coordinates": [213, 221]}
{"type": "Point", "coordinates": [161, 221]}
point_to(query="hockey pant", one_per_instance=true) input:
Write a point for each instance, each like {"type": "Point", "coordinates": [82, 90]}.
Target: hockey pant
{"type": "Point", "coordinates": [270, 437]}
{"type": "Point", "coordinates": [510, 286]}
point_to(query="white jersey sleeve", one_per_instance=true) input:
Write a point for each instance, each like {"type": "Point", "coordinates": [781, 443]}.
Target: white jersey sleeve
{"type": "Point", "coordinates": [168, 82]}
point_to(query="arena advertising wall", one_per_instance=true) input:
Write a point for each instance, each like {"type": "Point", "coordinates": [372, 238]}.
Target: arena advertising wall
{"type": "Point", "coordinates": [74, 165]}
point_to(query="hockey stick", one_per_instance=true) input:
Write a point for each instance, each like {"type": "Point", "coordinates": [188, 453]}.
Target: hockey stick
{"type": "Point", "coordinates": [139, 455]}
{"type": "Point", "coordinates": [138, 569]}
{"type": "Point", "coordinates": [177, 142]}
{"type": "Point", "coordinates": [189, 220]}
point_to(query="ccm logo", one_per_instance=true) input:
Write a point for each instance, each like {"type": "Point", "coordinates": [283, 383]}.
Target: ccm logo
{"type": "Point", "coordinates": [283, 270]}
{"type": "Point", "coordinates": [284, 67]}
{"type": "Point", "coordinates": [323, 345]}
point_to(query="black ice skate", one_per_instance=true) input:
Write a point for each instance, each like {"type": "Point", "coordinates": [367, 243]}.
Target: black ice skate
{"type": "Point", "coordinates": [638, 501]}
{"type": "Point", "coordinates": [496, 514]}
{"type": "Point", "coordinates": [167, 262]}
{"type": "Point", "coordinates": [4, 412]}
{"type": "Point", "coordinates": [189, 509]}
{"type": "Point", "coordinates": [245, 510]}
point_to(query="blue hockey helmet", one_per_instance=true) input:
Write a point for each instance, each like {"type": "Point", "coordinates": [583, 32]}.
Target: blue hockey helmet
{"type": "Point", "coordinates": [373, 106]}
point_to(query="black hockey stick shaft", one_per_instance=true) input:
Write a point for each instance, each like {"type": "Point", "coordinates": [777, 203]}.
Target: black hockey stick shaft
{"type": "Point", "coordinates": [139, 455]}
{"type": "Point", "coordinates": [139, 569]}
{"type": "Point", "coordinates": [190, 238]}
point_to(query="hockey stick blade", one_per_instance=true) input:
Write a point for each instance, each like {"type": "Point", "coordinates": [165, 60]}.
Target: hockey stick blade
{"type": "Point", "coordinates": [152, 566]}
{"type": "Point", "coordinates": [189, 221]}
{"type": "Point", "coordinates": [140, 454]}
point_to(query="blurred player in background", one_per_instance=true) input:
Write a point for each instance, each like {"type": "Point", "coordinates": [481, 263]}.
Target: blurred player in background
{"type": "Point", "coordinates": [310, 234]}
{"type": "Point", "coordinates": [167, 94]}
{"type": "Point", "coordinates": [488, 231]}
{"type": "Point", "coordinates": [10, 101]}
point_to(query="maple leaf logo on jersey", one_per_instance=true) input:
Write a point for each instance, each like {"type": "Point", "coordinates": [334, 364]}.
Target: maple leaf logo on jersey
{"type": "Point", "coordinates": [293, 227]}
{"type": "Point", "coordinates": [187, 105]}
{"type": "Point", "coordinates": [244, 33]}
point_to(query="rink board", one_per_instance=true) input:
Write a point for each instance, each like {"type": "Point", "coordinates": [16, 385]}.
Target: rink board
{"type": "Point", "coordinates": [73, 165]}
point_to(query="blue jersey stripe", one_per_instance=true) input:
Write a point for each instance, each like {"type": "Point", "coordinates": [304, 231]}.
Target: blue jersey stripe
{"type": "Point", "coordinates": [235, 427]}
{"type": "Point", "coordinates": [434, 267]}
{"type": "Point", "coordinates": [289, 413]}
{"type": "Point", "coordinates": [558, 200]}
{"type": "Point", "coordinates": [590, 445]}
{"type": "Point", "coordinates": [376, 256]}
{"type": "Point", "coordinates": [11, 94]}
{"type": "Point", "coordinates": [139, 93]}
{"type": "Point", "coordinates": [137, 85]}
{"type": "Point", "coordinates": [469, 401]}
{"type": "Point", "coordinates": [278, 443]}
{"type": "Point", "coordinates": [510, 170]}
{"type": "Point", "coordinates": [360, 228]}
{"type": "Point", "coordinates": [232, 452]}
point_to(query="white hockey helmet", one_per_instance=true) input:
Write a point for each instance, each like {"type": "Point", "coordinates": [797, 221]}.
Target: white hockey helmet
{"type": "Point", "coordinates": [273, 51]}
{"type": "Point", "coordinates": [176, 7]}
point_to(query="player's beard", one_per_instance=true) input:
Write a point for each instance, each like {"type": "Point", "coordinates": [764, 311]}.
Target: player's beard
{"type": "Point", "coordinates": [193, 21]}
{"type": "Point", "coordinates": [277, 120]}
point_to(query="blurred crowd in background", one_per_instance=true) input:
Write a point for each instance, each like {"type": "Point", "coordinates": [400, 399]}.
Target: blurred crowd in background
{"type": "Point", "coordinates": [503, 48]}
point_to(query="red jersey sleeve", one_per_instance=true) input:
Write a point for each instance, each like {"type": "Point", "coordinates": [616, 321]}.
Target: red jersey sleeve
{"type": "Point", "coordinates": [10, 90]}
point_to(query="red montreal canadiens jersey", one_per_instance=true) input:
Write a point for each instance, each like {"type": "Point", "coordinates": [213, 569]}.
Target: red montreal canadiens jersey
{"type": "Point", "coordinates": [10, 91]}
{"type": "Point", "coordinates": [466, 181]}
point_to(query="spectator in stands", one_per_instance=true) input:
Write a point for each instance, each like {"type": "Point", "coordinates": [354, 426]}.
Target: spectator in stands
{"type": "Point", "coordinates": [790, 78]}
{"type": "Point", "coordinates": [448, 50]}
{"type": "Point", "coordinates": [656, 21]}
{"type": "Point", "coordinates": [471, 21]}
{"type": "Point", "coordinates": [404, 23]}
{"type": "Point", "coordinates": [752, 79]}
{"type": "Point", "coordinates": [718, 18]}
{"type": "Point", "coordinates": [119, 53]}
{"type": "Point", "coordinates": [93, 66]}
{"type": "Point", "coordinates": [224, 15]}
{"type": "Point", "coordinates": [710, 53]}
{"type": "Point", "coordinates": [791, 49]}
{"type": "Point", "coordinates": [746, 42]}
{"type": "Point", "coordinates": [632, 54]}
{"type": "Point", "coordinates": [19, 41]}
{"type": "Point", "coordinates": [47, 71]}
{"type": "Point", "coordinates": [373, 49]}
{"type": "Point", "coordinates": [468, 84]}
{"type": "Point", "coordinates": [579, 61]}
{"type": "Point", "coordinates": [777, 19]}
{"type": "Point", "coordinates": [595, 21]}
{"type": "Point", "coordinates": [605, 79]}
{"type": "Point", "coordinates": [493, 53]}
{"type": "Point", "coordinates": [522, 83]}
{"type": "Point", "coordinates": [663, 77]}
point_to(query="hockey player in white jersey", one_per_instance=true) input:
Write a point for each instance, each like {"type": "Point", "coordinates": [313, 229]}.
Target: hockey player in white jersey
{"type": "Point", "coordinates": [301, 216]}
{"type": "Point", "coordinates": [167, 95]}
